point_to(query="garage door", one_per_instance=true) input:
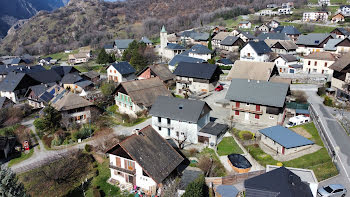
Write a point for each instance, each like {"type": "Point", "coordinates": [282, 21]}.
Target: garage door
{"type": "Point", "coordinates": [202, 139]}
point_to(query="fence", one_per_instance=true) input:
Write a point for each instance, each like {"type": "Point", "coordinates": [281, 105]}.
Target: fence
{"type": "Point", "coordinates": [232, 179]}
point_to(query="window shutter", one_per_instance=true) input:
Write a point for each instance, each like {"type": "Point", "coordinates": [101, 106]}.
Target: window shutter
{"type": "Point", "coordinates": [237, 104]}
{"type": "Point", "coordinates": [257, 116]}
{"type": "Point", "coordinates": [236, 113]}
{"type": "Point", "coordinates": [257, 107]}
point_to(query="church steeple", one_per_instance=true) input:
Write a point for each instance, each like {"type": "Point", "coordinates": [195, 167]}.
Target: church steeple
{"type": "Point", "coordinates": [163, 30]}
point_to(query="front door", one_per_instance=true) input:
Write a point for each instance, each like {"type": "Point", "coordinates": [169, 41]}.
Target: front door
{"type": "Point", "coordinates": [246, 116]}
{"type": "Point", "coordinates": [282, 150]}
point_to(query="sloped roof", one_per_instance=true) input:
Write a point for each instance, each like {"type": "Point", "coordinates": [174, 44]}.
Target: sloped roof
{"type": "Point", "coordinates": [20, 69]}
{"type": "Point", "coordinates": [251, 70]}
{"type": "Point", "coordinates": [91, 74]}
{"type": "Point", "coordinates": [272, 36]}
{"type": "Point", "coordinates": [45, 76]}
{"type": "Point", "coordinates": [69, 101]}
{"type": "Point", "coordinates": [71, 78]}
{"type": "Point", "coordinates": [146, 40]}
{"type": "Point", "coordinates": [221, 35]}
{"type": "Point", "coordinates": [184, 58]}
{"type": "Point", "coordinates": [162, 72]}
{"type": "Point", "coordinates": [108, 46]}
{"type": "Point", "coordinates": [173, 46]}
{"type": "Point", "coordinates": [331, 44]}
{"type": "Point", "coordinates": [290, 30]}
{"type": "Point", "coordinates": [124, 68]}
{"type": "Point", "coordinates": [145, 91]}
{"type": "Point", "coordinates": [341, 63]}
{"type": "Point", "coordinates": [342, 30]}
{"type": "Point", "coordinates": [285, 137]}
{"type": "Point", "coordinates": [178, 108]}
{"type": "Point", "coordinates": [280, 182]}
{"type": "Point", "coordinates": [123, 43]}
{"type": "Point", "coordinates": [39, 89]}
{"type": "Point", "coordinates": [229, 40]}
{"type": "Point", "coordinates": [152, 152]}
{"type": "Point", "coordinates": [200, 49]}
{"type": "Point", "coordinates": [225, 61]}
{"type": "Point", "coordinates": [63, 70]}
{"type": "Point", "coordinates": [247, 34]}
{"type": "Point", "coordinates": [202, 36]}
{"type": "Point", "coordinates": [84, 83]}
{"type": "Point", "coordinates": [288, 57]}
{"type": "Point", "coordinates": [287, 44]}
{"type": "Point", "coordinates": [260, 47]}
{"type": "Point", "coordinates": [11, 81]}
{"type": "Point", "coordinates": [227, 190]}
{"type": "Point", "coordinates": [322, 56]}
{"type": "Point", "coordinates": [214, 128]}
{"type": "Point", "coordinates": [195, 70]}
{"type": "Point", "coordinates": [313, 39]}
{"type": "Point", "coordinates": [258, 92]}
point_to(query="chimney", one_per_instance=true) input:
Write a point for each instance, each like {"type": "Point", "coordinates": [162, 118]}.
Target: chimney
{"type": "Point", "coordinates": [248, 80]}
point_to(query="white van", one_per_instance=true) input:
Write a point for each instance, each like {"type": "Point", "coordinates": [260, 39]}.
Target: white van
{"type": "Point", "coordinates": [297, 120]}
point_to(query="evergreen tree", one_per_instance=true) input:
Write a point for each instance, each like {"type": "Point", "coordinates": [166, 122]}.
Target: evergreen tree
{"type": "Point", "coordinates": [197, 188]}
{"type": "Point", "coordinates": [103, 57]}
{"type": "Point", "coordinates": [9, 185]}
{"type": "Point", "coordinates": [51, 120]}
{"type": "Point", "coordinates": [209, 42]}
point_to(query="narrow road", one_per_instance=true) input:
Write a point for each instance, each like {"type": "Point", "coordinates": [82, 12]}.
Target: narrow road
{"type": "Point", "coordinates": [337, 135]}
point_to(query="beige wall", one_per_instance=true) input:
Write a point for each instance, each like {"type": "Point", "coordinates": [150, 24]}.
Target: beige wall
{"type": "Point", "coordinates": [321, 65]}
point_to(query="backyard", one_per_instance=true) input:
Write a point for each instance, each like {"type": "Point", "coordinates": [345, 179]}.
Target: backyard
{"type": "Point", "coordinates": [320, 162]}
{"type": "Point", "coordinates": [228, 146]}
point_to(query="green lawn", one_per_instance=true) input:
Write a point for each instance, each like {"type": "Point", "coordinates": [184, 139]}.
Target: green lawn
{"type": "Point", "coordinates": [21, 158]}
{"type": "Point", "coordinates": [91, 66]}
{"type": "Point", "coordinates": [318, 28]}
{"type": "Point", "coordinates": [318, 161]}
{"type": "Point", "coordinates": [228, 146]}
{"type": "Point", "coordinates": [100, 182]}
{"type": "Point", "coordinates": [136, 122]}
{"type": "Point", "coordinates": [61, 56]}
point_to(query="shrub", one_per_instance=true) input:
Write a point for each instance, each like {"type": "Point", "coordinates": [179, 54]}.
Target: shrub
{"type": "Point", "coordinates": [83, 133]}
{"type": "Point", "coordinates": [39, 124]}
{"type": "Point", "coordinates": [197, 188]}
{"type": "Point", "coordinates": [225, 67]}
{"type": "Point", "coordinates": [328, 101]}
{"type": "Point", "coordinates": [47, 139]}
{"type": "Point", "coordinates": [88, 148]}
{"type": "Point", "coordinates": [245, 135]}
{"type": "Point", "coordinates": [300, 96]}
{"type": "Point", "coordinates": [321, 91]}
{"type": "Point", "coordinates": [193, 152]}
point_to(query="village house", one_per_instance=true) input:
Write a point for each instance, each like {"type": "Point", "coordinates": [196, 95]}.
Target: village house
{"type": "Point", "coordinates": [289, 184]}
{"type": "Point", "coordinates": [255, 51]}
{"type": "Point", "coordinates": [273, 24]}
{"type": "Point", "coordinates": [92, 76]}
{"type": "Point", "coordinates": [315, 16]}
{"type": "Point", "coordinates": [272, 36]}
{"type": "Point", "coordinates": [76, 84]}
{"type": "Point", "coordinates": [267, 12]}
{"type": "Point", "coordinates": [245, 25]}
{"type": "Point", "coordinates": [144, 160]}
{"type": "Point", "coordinates": [200, 51]}
{"type": "Point", "coordinates": [231, 43]}
{"type": "Point", "coordinates": [195, 78]}
{"type": "Point", "coordinates": [120, 71]}
{"type": "Point", "coordinates": [219, 29]}
{"type": "Point", "coordinates": [319, 63]}
{"type": "Point", "coordinates": [261, 71]}
{"type": "Point", "coordinates": [340, 32]}
{"type": "Point", "coordinates": [343, 46]}
{"type": "Point", "coordinates": [33, 94]}
{"type": "Point", "coordinates": [77, 58]}
{"type": "Point", "coordinates": [341, 77]}
{"type": "Point", "coordinates": [73, 108]}
{"type": "Point", "coordinates": [183, 58]}
{"type": "Point", "coordinates": [109, 48]}
{"type": "Point", "coordinates": [330, 46]}
{"type": "Point", "coordinates": [120, 45]}
{"type": "Point", "coordinates": [324, 2]}
{"type": "Point", "coordinates": [338, 18]}
{"type": "Point", "coordinates": [245, 36]}
{"type": "Point", "coordinates": [136, 96]}
{"type": "Point", "coordinates": [45, 61]}
{"type": "Point", "coordinates": [63, 70]}
{"type": "Point", "coordinates": [282, 46]}
{"type": "Point", "coordinates": [147, 41]}
{"type": "Point", "coordinates": [218, 38]}
{"type": "Point", "coordinates": [157, 70]}
{"type": "Point", "coordinates": [344, 10]}
{"type": "Point", "coordinates": [285, 11]}
{"type": "Point", "coordinates": [283, 140]}
{"type": "Point", "coordinates": [257, 102]}
{"type": "Point", "coordinates": [224, 62]}
{"type": "Point", "coordinates": [186, 120]}
{"type": "Point", "coordinates": [263, 28]}
{"type": "Point", "coordinates": [285, 63]}
{"type": "Point", "coordinates": [292, 32]}
{"type": "Point", "coordinates": [313, 42]}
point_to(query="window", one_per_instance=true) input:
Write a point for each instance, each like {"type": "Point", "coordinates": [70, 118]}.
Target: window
{"type": "Point", "coordinates": [315, 63]}
{"type": "Point", "coordinates": [159, 119]}
{"type": "Point", "coordinates": [257, 107]}
{"type": "Point", "coordinates": [130, 107]}
{"type": "Point", "coordinates": [177, 133]}
{"type": "Point", "coordinates": [257, 116]}
{"type": "Point", "coordinates": [182, 133]}
{"type": "Point", "coordinates": [247, 104]}
{"type": "Point", "coordinates": [271, 117]}
{"type": "Point", "coordinates": [159, 128]}
{"type": "Point", "coordinates": [325, 64]}
{"type": "Point", "coordinates": [309, 63]}
{"type": "Point", "coordinates": [115, 71]}
{"type": "Point", "coordinates": [129, 165]}
{"type": "Point", "coordinates": [168, 120]}
{"type": "Point", "coordinates": [168, 132]}
{"type": "Point", "coordinates": [237, 113]}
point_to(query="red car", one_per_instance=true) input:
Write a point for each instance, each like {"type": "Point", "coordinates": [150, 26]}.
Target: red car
{"type": "Point", "coordinates": [219, 88]}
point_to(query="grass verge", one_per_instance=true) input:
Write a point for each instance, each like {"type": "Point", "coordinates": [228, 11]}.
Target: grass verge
{"type": "Point", "coordinates": [21, 158]}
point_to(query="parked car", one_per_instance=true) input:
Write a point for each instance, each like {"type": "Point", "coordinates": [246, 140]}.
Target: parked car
{"type": "Point", "coordinates": [297, 120]}
{"type": "Point", "coordinates": [334, 190]}
{"type": "Point", "coordinates": [219, 88]}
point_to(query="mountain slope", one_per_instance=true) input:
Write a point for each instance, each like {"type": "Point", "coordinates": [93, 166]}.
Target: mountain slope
{"type": "Point", "coordinates": [13, 10]}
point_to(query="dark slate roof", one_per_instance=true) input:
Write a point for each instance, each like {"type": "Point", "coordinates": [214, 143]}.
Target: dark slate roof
{"type": "Point", "coordinates": [152, 152]}
{"type": "Point", "coordinates": [46, 97]}
{"type": "Point", "coordinates": [331, 44]}
{"type": "Point", "coordinates": [108, 46]}
{"type": "Point", "coordinates": [288, 57]}
{"type": "Point", "coordinates": [38, 89]}
{"type": "Point", "coordinates": [173, 46]}
{"type": "Point", "coordinates": [84, 83]}
{"type": "Point", "coordinates": [123, 44]}
{"type": "Point", "coordinates": [272, 36]}
{"type": "Point", "coordinates": [214, 128]}
{"type": "Point", "coordinates": [247, 34]}
{"type": "Point", "coordinates": [285, 137]}
{"type": "Point", "coordinates": [200, 49]}
{"type": "Point", "coordinates": [188, 176]}
{"type": "Point", "coordinates": [184, 58]}
{"type": "Point", "coordinates": [11, 81]}
{"type": "Point", "coordinates": [229, 40]}
{"type": "Point", "coordinates": [195, 70]}
{"type": "Point", "coordinates": [280, 182]}
{"type": "Point", "coordinates": [342, 30]}
{"type": "Point", "coordinates": [3, 100]}
{"type": "Point", "coordinates": [186, 33]}
{"type": "Point", "coordinates": [45, 76]}
{"type": "Point", "coordinates": [124, 68]}
{"type": "Point", "coordinates": [278, 29]}
{"type": "Point", "coordinates": [47, 59]}
{"type": "Point", "coordinates": [313, 39]}
{"type": "Point", "coordinates": [225, 61]}
{"type": "Point", "coordinates": [63, 70]}
{"type": "Point", "coordinates": [16, 60]}
{"type": "Point", "coordinates": [227, 190]}
{"type": "Point", "coordinates": [260, 47]}
{"type": "Point", "coordinates": [22, 69]}
{"type": "Point", "coordinates": [290, 30]}
{"type": "Point", "coordinates": [91, 74]}
{"type": "Point", "coordinates": [146, 40]}
{"type": "Point", "coordinates": [71, 78]}
{"type": "Point", "coordinates": [178, 108]}
{"type": "Point", "coordinates": [202, 36]}
{"type": "Point", "coordinates": [258, 92]}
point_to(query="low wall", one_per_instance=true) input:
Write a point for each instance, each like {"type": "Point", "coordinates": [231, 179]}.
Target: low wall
{"type": "Point", "coordinates": [232, 179]}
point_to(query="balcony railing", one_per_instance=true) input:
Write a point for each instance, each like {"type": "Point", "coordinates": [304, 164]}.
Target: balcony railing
{"type": "Point", "coordinates": [164, 125]}
{"type": "Point", "coordinates": [246, 110]}
{"type": "Point", "coordinates": [248, 57]}
{"type": "Point", "coordinates": [122, 100]}
{"type": "Point", "coordinates": [132, 172]}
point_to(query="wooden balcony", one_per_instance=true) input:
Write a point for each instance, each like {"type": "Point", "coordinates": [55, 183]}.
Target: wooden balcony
{"type": "Point", "coordinates": [132, 172]}
{"type": "Point", "coordinates": [246, 110]}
